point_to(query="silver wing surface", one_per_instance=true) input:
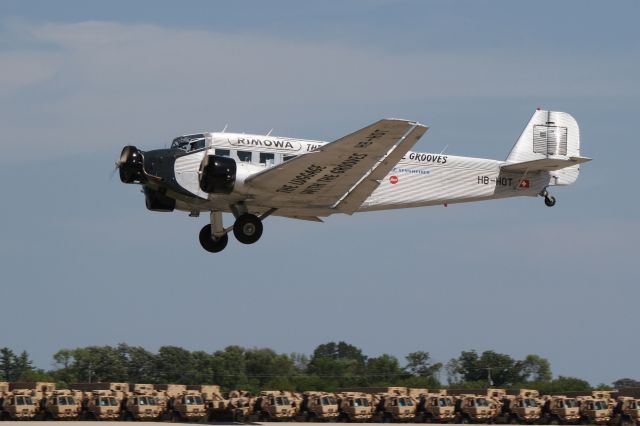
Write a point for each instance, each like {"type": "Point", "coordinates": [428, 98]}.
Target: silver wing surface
{"type": "Point", "coordinates": [341, 174]}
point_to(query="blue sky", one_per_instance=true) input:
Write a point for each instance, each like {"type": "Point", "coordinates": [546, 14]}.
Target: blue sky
{"type": "Point", "coordinates": [79, 251]}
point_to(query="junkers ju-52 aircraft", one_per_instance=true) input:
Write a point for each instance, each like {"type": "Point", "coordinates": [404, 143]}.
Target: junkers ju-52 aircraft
{"type": "Point", "coordinates": [254, 176]}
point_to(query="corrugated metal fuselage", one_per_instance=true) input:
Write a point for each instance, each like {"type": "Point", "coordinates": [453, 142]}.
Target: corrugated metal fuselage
{"type": "Point", "coordinates": [419, 179]}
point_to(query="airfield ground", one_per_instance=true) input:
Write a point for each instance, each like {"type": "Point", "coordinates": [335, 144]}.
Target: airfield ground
{"type": "Point", "coordinates": [75, 423]}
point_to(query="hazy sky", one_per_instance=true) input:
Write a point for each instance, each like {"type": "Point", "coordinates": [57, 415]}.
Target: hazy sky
{"type": "Point", "coordinates": [84, 263]}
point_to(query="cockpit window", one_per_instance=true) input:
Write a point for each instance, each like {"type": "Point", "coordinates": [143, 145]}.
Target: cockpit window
{"type": "Point", "coordinates": [198, 144]}
{"type": "Point", "coordinates": [288, 157]}
{"type": "Point", "coordinates": [189, 142]}
{"type": "Point", "coordinates": [244, 156]}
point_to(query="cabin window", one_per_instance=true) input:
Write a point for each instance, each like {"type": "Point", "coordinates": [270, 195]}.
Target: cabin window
{"type": "Point", "coordinates": [244, 156]}
{"type": "Point", "coordinates": [223, 152]}
{"type": "Point", "coordinates": [267, 158]}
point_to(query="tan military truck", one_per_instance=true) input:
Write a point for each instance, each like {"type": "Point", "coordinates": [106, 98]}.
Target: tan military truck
{"type": "Point", "coordinates": [142, 404]}
{"type": "Point", "coordinates": [183, 404]}
{"type": "Point", "coordinates": [626, 411]}
{"type": "Point", "coordinates": [101, 401]}
{"type": "Point", "coordinates": [595, 410]}
{"type": "Point", "coordinates": [59, 405]}
{"type": "Point", "coordinates": [17, 405]}
{"type": "Point", "coordinates": [435, 407]}
{"type": "Point", "coordinates": [354, 406]}
{"type": "Point", "coordinates": [240, 405]}
{"type": "Point", "coordinates": [472, 408]}
{"type": "Point", "coordinates": [394, 405]}
{"type": "Point", "coordinates": [318, 406]}
{"type": "Point", "coordinates": [521, 408]}
{"type": "Point", "coordinates": [560, 409]}
{"type": "Point", "coordinates": [273, 406]}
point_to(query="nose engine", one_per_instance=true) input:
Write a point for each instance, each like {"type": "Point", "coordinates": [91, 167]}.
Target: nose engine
{"type": "Point", "coordinates": [130, 165]}
{"type": "Point", "coordinates": [217, 174]}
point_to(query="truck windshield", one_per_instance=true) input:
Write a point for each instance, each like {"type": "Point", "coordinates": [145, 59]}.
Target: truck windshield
{"type": "Point", "coordinates": [529, 402]}
{"type": "Point", "coordinates": [361, 402]}
{"type": "Point", "coordinates": [481, 402]}
{"type": "Point", "coordinates": [328, 400]}
{"type": "Point", "coordinates": [570, 403]}
{"type": "Point", "coordinates": [23, 400]}
{"type": "Point", "coordinates": [405, 402]}
{"type": "Point", "coordinates": [193, 400]}
{"type": "Point", "coordinates": [444, 402]}
{"type": "Point", "coordinates": [282, 400]}
{"type": "Point", "coordinates": [600, 405]}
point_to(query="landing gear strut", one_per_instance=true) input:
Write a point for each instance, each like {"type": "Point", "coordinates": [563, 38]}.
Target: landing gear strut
{"type": "Point", "coordinates": [213, 237]}
{"type": "Point", "coordinates": [549, 200]}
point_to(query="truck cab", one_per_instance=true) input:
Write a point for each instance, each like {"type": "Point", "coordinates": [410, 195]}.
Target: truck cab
{"type": "Point", "coordinates": [354, 406]}
{"type": "Point", "coordinates": [17, 406]}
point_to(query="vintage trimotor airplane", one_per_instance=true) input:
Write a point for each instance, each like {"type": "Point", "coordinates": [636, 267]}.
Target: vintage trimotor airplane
{"type": "Point", "coordinates": [254, 176]}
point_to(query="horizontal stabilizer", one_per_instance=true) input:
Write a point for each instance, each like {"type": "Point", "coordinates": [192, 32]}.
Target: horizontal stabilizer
{"type": "Point", "coordinates": [543, 165]}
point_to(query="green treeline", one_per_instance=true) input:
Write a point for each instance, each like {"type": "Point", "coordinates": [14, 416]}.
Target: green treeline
{"type": "Point", "coordinates": [330, 366]}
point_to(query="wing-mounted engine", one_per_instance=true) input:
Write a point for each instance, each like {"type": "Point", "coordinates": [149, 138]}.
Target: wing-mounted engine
{"type": "Point", "coordinates": [217, 174]}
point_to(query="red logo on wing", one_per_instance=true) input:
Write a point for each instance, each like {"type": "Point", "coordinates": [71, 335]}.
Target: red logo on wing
{"type": "Point", "coordinates": [524, 183]}
{"type": "Point", "coordinates": [393, 180]}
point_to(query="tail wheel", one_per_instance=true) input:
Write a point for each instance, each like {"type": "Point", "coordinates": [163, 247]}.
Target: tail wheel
{"type": "Point", "coordinates": [550, 201]}
{"type": "Point", "coordinates": [247, 228]}
{"type": "Point", "coordinates": [209, 243]}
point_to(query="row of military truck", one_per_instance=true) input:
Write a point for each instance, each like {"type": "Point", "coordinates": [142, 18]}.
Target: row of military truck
{"type": "Point", "coordinates": [202, 403]}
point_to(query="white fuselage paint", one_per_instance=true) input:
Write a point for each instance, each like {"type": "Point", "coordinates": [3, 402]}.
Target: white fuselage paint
{"type": "Point", "coordinates": [419, 179]}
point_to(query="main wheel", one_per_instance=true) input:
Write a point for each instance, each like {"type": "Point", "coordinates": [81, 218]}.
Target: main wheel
{"type": "Point", "coordinates": [247, 228]}
{"type": "Point", "coordinates": [209, 243]}
{"type": "Point", "coordinates": [550, 201]}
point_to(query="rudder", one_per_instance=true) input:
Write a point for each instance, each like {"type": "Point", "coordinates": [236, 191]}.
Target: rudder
{"type": "Point", "coordinates": [549, 135]}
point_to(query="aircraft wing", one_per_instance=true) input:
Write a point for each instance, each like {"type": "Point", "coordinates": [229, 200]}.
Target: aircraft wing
{"type": "Point", "coordinates": [341, 174]}
{"type": "Point", "coordinates": [544, 165]}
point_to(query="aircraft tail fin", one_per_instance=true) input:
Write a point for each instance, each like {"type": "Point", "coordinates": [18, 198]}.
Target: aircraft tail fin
{"type": "Point", "coordinates": [553, 137]}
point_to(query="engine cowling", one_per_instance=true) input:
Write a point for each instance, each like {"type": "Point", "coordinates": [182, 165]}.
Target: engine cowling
{"type": "Point", "coordinates": [130, 165]}
{"type": "Point", "coordinates": [217, 174]}
{"type": "Point", "coordinates": [157, 201]}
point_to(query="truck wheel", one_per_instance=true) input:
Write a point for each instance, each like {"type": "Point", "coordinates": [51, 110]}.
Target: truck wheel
{"type": "Point", "coordinates": [554, 421]}
{"type": "Point", "coordinates": [513, 420]}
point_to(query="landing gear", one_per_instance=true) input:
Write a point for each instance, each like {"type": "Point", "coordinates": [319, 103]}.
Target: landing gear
{"type": "Point", "coordinates": [247, 228]}
{"type": "Point", "coordinates": [549, 200]}
{"type": "Point", "coordinates": [210, 243]}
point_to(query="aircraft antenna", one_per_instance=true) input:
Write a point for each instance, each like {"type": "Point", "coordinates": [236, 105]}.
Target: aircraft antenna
{"type": "Point", "coordinates": [444, 149]}
{"type": "Point", "coordinates": [225, 128]}
{"type": "Point", "coordinates": [269, 133]}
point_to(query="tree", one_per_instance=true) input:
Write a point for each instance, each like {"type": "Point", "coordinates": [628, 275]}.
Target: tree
{"type": "Point", "coordinates": [536, 369]}
{"type": "Point", "coordinates": [383, 370]}
{"type": "Point", "coordinates": [7, 364]}
{"type": "Point", "coordinates": [563, 384]}
{"type": "Point", "coordinates": [338, 364]}
{"type": "Point", "coordinates": [173, 364]}
{"type": "Point", "coordinates": [493, 368]}
{"type": "Point", "coordinates": [626, 383]}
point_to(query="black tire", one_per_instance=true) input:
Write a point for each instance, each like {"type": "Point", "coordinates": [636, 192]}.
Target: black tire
{"type": "Point", "coordinates": [209, 244]}
{"type": "Point", "coordinates": [247, 228]}
{"type": "Point", "coordinates": [513, 420]}
{"type": "Point", "coordinates": [549, 201]}
{"type": "Point", "coordinates": [554, 421]}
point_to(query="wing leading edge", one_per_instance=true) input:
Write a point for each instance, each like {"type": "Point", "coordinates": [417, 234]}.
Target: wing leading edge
{"type": "Point", "coordinates": [341, 174]}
